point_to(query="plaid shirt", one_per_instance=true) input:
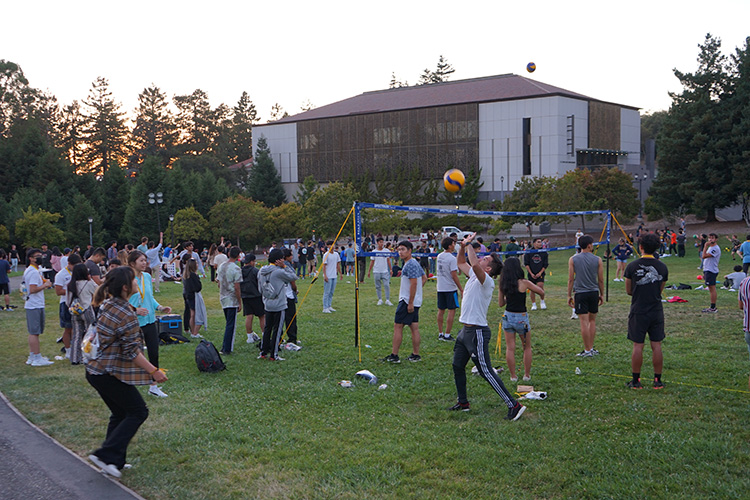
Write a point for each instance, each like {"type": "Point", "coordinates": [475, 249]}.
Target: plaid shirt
{"type": "Point", "coordinates": [120, 341]}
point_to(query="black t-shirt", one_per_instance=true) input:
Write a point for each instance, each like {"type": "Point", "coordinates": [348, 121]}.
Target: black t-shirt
{"type": "Point", "coordinates": [536, 261]}
{"type": "Point", "coordinates": [681, 239]}
{"type": "Point", "coordinates": [646, 276]}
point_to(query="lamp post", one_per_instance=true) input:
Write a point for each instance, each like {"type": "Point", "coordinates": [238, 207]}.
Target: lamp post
{"type": "Point", "coordinates": [171, 223]}
{"type": "Point", "coordinates": [157, 200]}
{"type": "Point", "coordinates": [640, 178]}
{"type": "Point", "coordinates": [91, 233]}
{"type": "Point", "coordinates": [502, 192]}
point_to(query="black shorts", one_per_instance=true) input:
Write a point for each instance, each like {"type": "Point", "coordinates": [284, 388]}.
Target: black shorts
{"type": "Point", "coordinates": [189, 301]}
{"type": "Point", "coordinates": [641, 324]}
{"type": "Point", "coordinates": [710, 278]}
{"type": "Point", "coordinates": [4, 289]}
{"type": "Point", "coordinates": [586, 302]}
{"type": "Point", "coordinates": [538, 280]}
{"type": "Point", "coordinates": [254, 306]}
{"type": "Point", "coordinates": [403, 316]}
{"type": "Point", "coordinates": [447, 300]}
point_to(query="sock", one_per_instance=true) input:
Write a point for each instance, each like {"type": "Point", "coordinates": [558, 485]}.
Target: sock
{"type": "Point", "coordinates": [713, 306]}
{"type": "Point", "coordinates": [636, 376]}
{"type": "Point", "coordinates": [657, 376]}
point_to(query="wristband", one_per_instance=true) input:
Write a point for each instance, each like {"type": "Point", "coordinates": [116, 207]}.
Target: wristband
{"type": "Point", "coordinates": [152, 373]}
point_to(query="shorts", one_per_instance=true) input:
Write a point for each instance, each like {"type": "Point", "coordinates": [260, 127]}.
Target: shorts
{"type": "Point", "coordinates": [403, 316]}
{"type": "Point", "coordinates": [641, 324]}
{"type": "Point", "coordinates": [516, 323]}
{"type": "Point", "coordinates": [35, 321]}
{"type": "Point", "coordinates": [538, 280]}
{"type": "Point", "coordinates": [4, 289]}
{"type": "Point", "coordinates": [447, 300]}
{"type": "Point", "coordinates": [189, 301]}
{"type": "Point", "coordinates": [710, 278]}
{"type": "Point", "coordinates": [253, 306]}
{"type": "Point", "coordinates": [624, 261]}
{"type": "Point", "coordinates": [65, 320]}
{"type": "Point", "coordinates": [586, 302]}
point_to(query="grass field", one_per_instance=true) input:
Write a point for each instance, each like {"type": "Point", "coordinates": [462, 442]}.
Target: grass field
{"type": "Point", "coordinates": [288, 430]}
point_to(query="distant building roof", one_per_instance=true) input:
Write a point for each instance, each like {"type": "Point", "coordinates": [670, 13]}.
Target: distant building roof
{"type": "Point", "coordinates": [246, 164]}
{"type": "Point", "coordinates": [484, 89]}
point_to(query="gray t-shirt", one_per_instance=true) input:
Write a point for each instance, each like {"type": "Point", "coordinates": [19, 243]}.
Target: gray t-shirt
{"type": "Point", "coordinates": [446, 262]}
{"type": "Point", "coordinates": [586, 266]}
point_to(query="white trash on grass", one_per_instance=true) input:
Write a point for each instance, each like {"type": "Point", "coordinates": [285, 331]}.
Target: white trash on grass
{"type": "Point", "coordinates": [367, 375]}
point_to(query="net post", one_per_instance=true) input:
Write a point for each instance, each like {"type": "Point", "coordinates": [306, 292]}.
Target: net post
{"type": "Point", "coordinates": [357, 242]}
{"type": "Point", "coordinates": [609, 221]}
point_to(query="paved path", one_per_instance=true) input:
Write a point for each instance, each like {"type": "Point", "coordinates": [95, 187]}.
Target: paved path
{"type": "Point", "coordinates": [33, 466]}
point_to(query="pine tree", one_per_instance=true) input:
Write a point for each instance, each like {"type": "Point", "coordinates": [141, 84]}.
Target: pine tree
{"type": "Point", "coordinates": [104, 129]}
{"type": "Point", "coordinates": [244, 116]}
{"type": "Point", "coordinates": [265, 181]}
{"type": "Point", "coordinates": [70, 132]}
{"type": "Point", "coordinates": [194, 121]}
{"type": "Point", "coordinates": [277, 113]}
{"type": "Point", "coordinates": [155, 131]}
{"type": "Point", "coordinates": [443, 72]}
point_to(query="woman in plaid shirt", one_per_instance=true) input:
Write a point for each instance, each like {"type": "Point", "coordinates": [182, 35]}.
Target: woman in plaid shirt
{"type": "Point", "coordinates": [119, 367]}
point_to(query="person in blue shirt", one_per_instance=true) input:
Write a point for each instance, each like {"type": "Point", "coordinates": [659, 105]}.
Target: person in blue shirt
{"type": "Point", "coordinates": [621, 252]}
{"type": "Point", "coordinates": [744, 252]}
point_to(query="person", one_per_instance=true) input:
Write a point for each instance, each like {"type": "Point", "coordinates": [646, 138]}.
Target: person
{"type": "Point", "coordinates": [111, 253]}
{"type": "Point", "coordinates": [96, 257]}
{"type": "Point", "coordinates": [113, 264]}
{"type": "Point", "coordinates": [191, 285]}
{"type": "Point", "coordinates": [5, 268]}
{"type": "Point", "coordinates": [579, 233]}
{"type": "Point", "coordinates": [473, 341]}
{"type": "Point", "coordinates": [735, 245]}
{"type": "Point", "coordinates": [644, 282]}
{"type": "Point", "coordinates": [711, 255]}
{"type": "Point", "coordinates": [744, 252]}
{"type": "Point", "coordinates": [229, 277]}
{"type": "Point", "coordinates": [210, 260]}
{"type": "Point", "coordinates": [154, 261]}
{"type": "Point", "coordinates": [46, 263]}
{"type": "Point", "coordinates": [448, 288]}
{"type": "Point", "coordinates": [622, 253]}
{"type": "Point", "coordinates": [331, 270]}
{"type": "Point", "coordinates": [586, 279]}
{"type": "Point", "coordinates": [349, 260]}
{"type": "Point", "coordinates": [145, 306]}
{"type": "Point", "coordinates": [536, 264]}
{"type": "Point", "coordinates": [274, 278]}
{"type": "Point", "coordinates": [413, 279]}
{"type": "Point", "coordinates": [62, 278]}
{"type": "Point", "coordinates": [733, 280]}
{"type": "Point", "coordinates": [36, 284]}
{"type": "Point", "coordinates": [290, 315]}
{"type": "Point", "coordinates": [252, 301]}
{"type": "Point", "coordinates": [701, 245]}
{"type": "Point", "coordinates": [302, 264]}
{"type": "Point", "coordinates": [744, 303]}
{"type": "Point", "coordinates": [189, 249]}
{"type": "Point", "coordinates": [220, 257]}
{"type": "Point", "coordinates": [496, 246]}
{"type": "Point", "coordinates": [119, 367]}
{"type": "Point", "coordinates": [681, 243]}
{"type": "Point", "coordinates": [13, 258]}
{"type": "Point", "coordinates": [512, 246]}
{"type": "Point", "coordinates": [512, 295]}
{"type": "Point", "coordinates": [380, 265]}
{"type": "Point", "coordinates": [143, 246]}
{"type": "Point", "coordinates": [82, 289]}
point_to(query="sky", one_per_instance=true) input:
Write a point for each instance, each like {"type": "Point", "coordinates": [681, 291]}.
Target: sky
{"type": "Point", "coordinates": [290, 52]}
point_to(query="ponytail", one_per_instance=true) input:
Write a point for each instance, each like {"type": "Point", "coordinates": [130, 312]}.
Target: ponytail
{"type": "Point", "coordinates": [116, 279]}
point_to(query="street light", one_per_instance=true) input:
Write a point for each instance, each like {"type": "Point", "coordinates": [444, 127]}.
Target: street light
{"type": "Point", "coordinates": [171, 223]}
{"type": "Point", "coordinates": [640, 178]}
{"type": "Point", "coordinates": [158, 200]}
{"type": "Point", "coordinates": [91, 234]}
{"type": "Point", "coordinates": [502, 192]}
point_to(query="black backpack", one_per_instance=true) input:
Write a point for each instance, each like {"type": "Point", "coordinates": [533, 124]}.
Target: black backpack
{"type": "Point", "coordinates": [207, 358]}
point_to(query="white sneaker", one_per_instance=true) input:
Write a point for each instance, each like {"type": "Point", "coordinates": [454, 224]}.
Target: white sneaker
{"type": "Point", "coordinates": [29, 359]}
{"type": "Point", "coordinates": [252, 338]}
{"type": "Point", "coordinates": [533, 306]}
{"type": "Point", "coordinates": [527, 379]}
{"type": "Point", "coordinates": [196, 336]}
{"type": "Point", "coordinates": [155, 390]}
{"type": "Point", "coordinates": [331, 309]}
{"type": "Point", "coordinates": [380, 302]}
{"type": "Point", "coordinates": [574, 316]}
{"type": "Point", "coordinates": [110, 469]}
{"type": "Point", "coordinates": [291, 346]}
{"type": "Point", "coordinates": [67, 353]}
{"type": "Point", "coordinates": [327, 311]}
{"type": "Point", "coordinates": [40, 360]}
{"type": "Point", "coordinates": [388, 303]}
{"type": "Point", "coordinates": [278, 358]}
{"type": "Point", "coordinates": [514, 379]}
{"type": "Point", "coordinates": [543, 306]}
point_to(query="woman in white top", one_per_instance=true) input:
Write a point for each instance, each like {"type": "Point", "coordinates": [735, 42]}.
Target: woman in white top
{"type": "Point", "coordinates": [82, 288]}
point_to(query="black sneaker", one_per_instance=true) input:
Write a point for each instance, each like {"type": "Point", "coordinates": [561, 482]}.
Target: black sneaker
{"type": "Point", "coordinates": [460, 407]}
{"type": "Point", "coordinates": [658, 384]}
{"type": "Point", "coordinates": [392, 358]}
{"type": "Point", "coordinates": [635, 384]}
{"type": "Point", "coordinates": [515, 412]}
{"type": "Point", "coordinates": [414, 357]}
{"type": "Point", "coordinates": [710, 310]}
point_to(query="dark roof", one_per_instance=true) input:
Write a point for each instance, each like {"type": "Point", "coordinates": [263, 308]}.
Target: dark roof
{"type": "Point", "coordinates": [485, 89]}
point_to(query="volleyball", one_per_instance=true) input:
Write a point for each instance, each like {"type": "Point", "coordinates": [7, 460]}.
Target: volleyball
{"type": "Point", "coordinates": [531, 67]}
{"type": "Point", "coordinates": [454, 180]}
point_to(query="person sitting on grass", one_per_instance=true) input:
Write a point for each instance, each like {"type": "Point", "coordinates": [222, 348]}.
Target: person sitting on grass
{"type": "Point", "coordinates": [732, 280]}
{"type": "Point", "coordinates": [473, 341]}
{"type": "Point", "coordinates": [644, 282]}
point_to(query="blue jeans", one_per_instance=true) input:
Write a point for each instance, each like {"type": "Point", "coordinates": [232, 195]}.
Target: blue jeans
{"type": "Point", "coordinates": [383, 281]}
{"type": "Point", "coordinates": [230, 313]}
{"type": "Point", "coordinates": [328, 288]}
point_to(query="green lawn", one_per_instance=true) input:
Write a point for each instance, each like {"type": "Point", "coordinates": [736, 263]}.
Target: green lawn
{"type": "Point", "coordinates": [288, 430]}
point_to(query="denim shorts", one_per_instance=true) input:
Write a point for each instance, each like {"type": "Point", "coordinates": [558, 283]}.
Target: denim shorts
{"type": "Point", "coordinates": [516, 322]}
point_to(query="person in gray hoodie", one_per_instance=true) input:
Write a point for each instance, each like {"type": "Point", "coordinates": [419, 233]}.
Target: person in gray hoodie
{"type": "Point", "coordinates": [272, 282]}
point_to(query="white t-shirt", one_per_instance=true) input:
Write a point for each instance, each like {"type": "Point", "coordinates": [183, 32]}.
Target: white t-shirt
{"type": "Point", "coordinates": [219, 259]}
{"type": "Point", "coordinates": [331, 259]}
{"type": "Point", "coordinates": [477, 298]}
{"type": "Point", "coordinates": [63, 262]}
{"type": "Point", "coordinates": [446, 262]}
{"type": "Point", "coordinates": [62, 279]}
{"type": "Point", "coordinates": [711, 256]}
{"type": "Point", "coordinates": [32, 276]}
{"type": "Point", "coordinates": [411, 270]}
{"type": "Point", "coordinates": [381, 262]}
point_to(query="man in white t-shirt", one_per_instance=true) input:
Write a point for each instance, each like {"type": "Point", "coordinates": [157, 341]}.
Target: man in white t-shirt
{"type": "Point", "coordinates": [711, 254]}
{"type": "Point", "coordinates": [61, 289]}
{"type": "Point", "coordinates": [448, 288]}
{"type": "Point", "coordinates": [473, 341]}
{"type": "Point", "coordinates": [331, 271]}
{"type": "Point", "coordinates": [34, 306]}
{"type": "Point", "coordinates": [381, 266]}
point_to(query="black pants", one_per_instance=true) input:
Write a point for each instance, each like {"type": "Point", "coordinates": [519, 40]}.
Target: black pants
{"type": "Point", "coordinates": [473, 342]}
{"type": "Point", "coordinates": [129, 411]}
{"type": "Point", "coordinates": [269, 346]}
{"type": "Point", "coordinates": [213, 273]}
{"type": "Point", "coordinates": [151, 336]}
{"type": "Point", "coordinates": [680, 250]}
{"type": "Point", "coordinates": [290, 320]}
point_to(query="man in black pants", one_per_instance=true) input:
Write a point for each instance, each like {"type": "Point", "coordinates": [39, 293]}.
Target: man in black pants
{"type": "Point", "coordinates": [473, 341]}
{"type": "Point", "coordinates": [290, 316]}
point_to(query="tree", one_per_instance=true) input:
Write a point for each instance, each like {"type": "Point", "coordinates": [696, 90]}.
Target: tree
{"type": "Point", "coordinates": [76, 219]}
{"type": "Point", "coordinates": [441, 74]}
{"type": "Point", "coordinates": [284, 221]}
{"type": "Point", "coordinates": [189, 224]}
{"type": "Point", "coordinates": [739, 106]}
{"type": "Point", "coordinates": [277, 113]}
{"type": "Point", "coordinates": [239, 219]}
{"type": "Point", "coordinates": [325, 211]}
{"type": "Point", "coordinates": [396, 83]}
{"type": "Point", "coordinates": [155, 131]}
{"type": "Point", "coordinates": [306, 189]}
{"type": "Point", "coordinates": [35, 228]}
{"type": "Point", "coordinates": [265, 181]}
{"type": "Point", "coordinates": [115, 189]}
{"type": "Point", "coordinates": [104, 130]}
{"type": "Point", "coordinates": [525, 197]}
{"type": "Point", "coordinates": [307, 105]}
{"type": "Point", "coordinates": [195, 122]}
{"type": "Point", "coordinates": [140, 216]}
{"type": "Point", "coordinates": [244, 116]}
{"type": "Point", "coordinates": [70, 133]}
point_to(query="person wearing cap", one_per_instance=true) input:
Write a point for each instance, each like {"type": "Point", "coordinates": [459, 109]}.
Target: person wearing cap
{"type": "Point", "coordinates": [512, 246]}
{"type": "Point", "coordinates": [252, 301]}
